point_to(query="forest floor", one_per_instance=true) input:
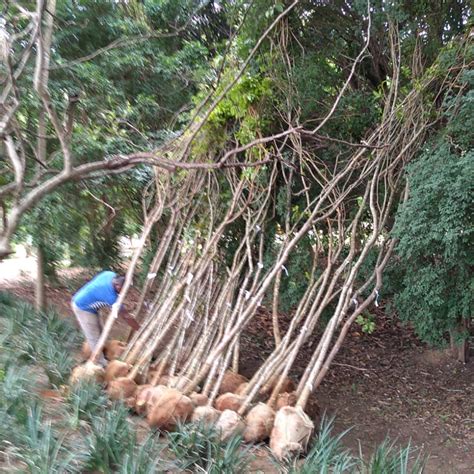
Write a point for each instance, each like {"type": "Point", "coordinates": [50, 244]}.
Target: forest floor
{"type": "Point", "coordinates": [383, 384]}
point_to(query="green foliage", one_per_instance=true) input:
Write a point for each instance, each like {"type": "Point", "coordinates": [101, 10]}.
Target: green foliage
{"type": "Point", "coordinates": [113, 447]}
{"type": "Point", "coordinates": [388, 459]}
{"type": "Point", "coordinates": [16, 390]}
{"type": "Point", "coordinates": [145, 458]}
{"type": "Point", "coordinates": [111, 435]}
{"type": "Point", "coordinates": [366, 322]}
{"type": "Point", "coordinates": [41, 338]}
{"type": "Point", "coordinates": [295, 274]}
{"type": "Point", "coordinates": [43, 451]}
{"type": "Point", "coordinates": [85, 400]}
{"type": "Point", "coordinates": [197, 447]}
{"type": "Point", "coordinates": [436, 230]}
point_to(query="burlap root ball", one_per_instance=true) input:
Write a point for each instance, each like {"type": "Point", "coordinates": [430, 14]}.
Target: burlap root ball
{"type": "Point", "coordinates": [206, 415]}
{"type": "Point", "coordinates": [116, 369]}
{"type": "Point", "coordinates": [170, 407]}
{"type": "Point", "coordinates": [286, 400]}
{"type": "Point", "coordinates": [229, 401]}
{"type": "Point", "coordinates": [199, 399]}
{"type": "Point", "coordinates": [259, 423]}
{"type": "Point", "coordinates": [229, 424]}
{"type": "Point", "coordinates": [231, 381]}
{"type": "Point", "coordinates": [291, 432]}
{"type": "Point", "coordinates": [114, 349]}
{"type": "Point", "coordinates": [87, 371]}
{"type": "Point", "coordinates": [121, 388]}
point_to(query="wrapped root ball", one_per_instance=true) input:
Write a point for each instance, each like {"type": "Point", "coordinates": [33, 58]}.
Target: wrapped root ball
{"type": "Point", "coordinates": [229, 401]}
{"type": "Point", "coordinates": [116, 369]}
{"type": "Point", "coordinates": [87, 371]}
{"type": "Point", "coordinates": [155, 394]}
{"type": "Point", "coordinates": [229, 424]}
{"type": "Point", "coordinates": [141, 378]}
{"type": "Point", "coordinates": [287, 386]}
{"type": "Point", "coordinates": [199, 399]}
{"type": "Point", "coordinates": [286, 400]}
{"type": "Point", "coordinates": [241, 388]}
{"type": "Point", "coordinates": [121, 388]}
{"type": "Point", "coordinates": [231, 381]}
{"type": "Point", "coordinates": [170, 407]}
{"type": "Point", "coordinates": [206, 415]}
{"type": "Point", "coordinates": [259, 423]}
{"type": "Point", "coordinates": [142, 395]}
{"type": "Point", "coordinates": [291, 432]}
{"type": "Point", "coordinates": [114, 349]}
{"type": "Point", "coordinates": [150, 376]}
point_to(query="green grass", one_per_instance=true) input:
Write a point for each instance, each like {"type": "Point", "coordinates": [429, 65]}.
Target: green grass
{"type": "Point", "coordinates": [43, 451]}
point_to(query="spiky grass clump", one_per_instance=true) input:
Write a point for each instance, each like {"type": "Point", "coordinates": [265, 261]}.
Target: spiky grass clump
{"type": "Point", "coordinates": [113, 446]}
{"type": "Point", "coordinates": [197, 448]}
{"type": "Point", "coordinates": [85, 400]}
{"type": "Point", "coordinates": [326, 454]}
{"type": "Point", "coordinates": [42, 451]}
{"type": "Point", "coordinates": [390, 459]}
{"type": "Point", "coordinates": [144, 458]}
{"type": "Point", "coordinates": [39, 338]}
{"type": "Point", "coordinates": [14, 404]}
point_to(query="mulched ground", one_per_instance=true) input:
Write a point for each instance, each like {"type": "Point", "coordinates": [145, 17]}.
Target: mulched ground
{"type": "Point", "coordinates": [389, 383]}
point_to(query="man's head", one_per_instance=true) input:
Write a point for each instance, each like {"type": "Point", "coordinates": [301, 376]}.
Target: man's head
{"type": "Point", "coordinates": [117, 282]}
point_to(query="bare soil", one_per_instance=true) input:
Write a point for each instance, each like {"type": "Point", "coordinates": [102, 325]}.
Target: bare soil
{"type": "Point", "coordinates": [383, 384]}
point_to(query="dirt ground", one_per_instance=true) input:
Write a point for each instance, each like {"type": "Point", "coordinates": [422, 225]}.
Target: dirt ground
{"type": "Point", "coordinates": [383, 384]}
{"type": "Point", "coordinates": [390, 384]}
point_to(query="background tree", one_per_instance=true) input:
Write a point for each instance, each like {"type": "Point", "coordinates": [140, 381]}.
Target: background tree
{"type": "Point", "coordinates": [435, 228]}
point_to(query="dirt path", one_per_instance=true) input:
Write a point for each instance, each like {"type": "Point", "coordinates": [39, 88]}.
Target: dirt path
{"type": "Point", "coordinates": [383, 384]}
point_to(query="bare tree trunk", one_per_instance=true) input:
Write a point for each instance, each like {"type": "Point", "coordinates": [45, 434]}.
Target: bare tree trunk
{"type": "Point", "coordinates": [40, 293]}
{"type": "Point", "coordinates": [41, 84]}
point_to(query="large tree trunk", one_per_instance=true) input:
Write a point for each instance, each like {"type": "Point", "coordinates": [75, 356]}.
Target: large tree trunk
{"type": "Point", "coordinates": [460, 347]}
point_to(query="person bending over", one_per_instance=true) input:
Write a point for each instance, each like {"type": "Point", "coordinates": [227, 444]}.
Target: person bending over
{"type": "Point", "coordinates": [101, 292]}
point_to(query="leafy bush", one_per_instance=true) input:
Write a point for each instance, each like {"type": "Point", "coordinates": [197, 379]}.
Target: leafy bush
{"type": "Point", "coordinates": [435, 227]}
{"type": "Point", "coordinates": [198, 448]}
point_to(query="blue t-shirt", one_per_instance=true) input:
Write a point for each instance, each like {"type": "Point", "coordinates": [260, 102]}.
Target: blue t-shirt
{"type": "Point", "coordinates": [96, 294]}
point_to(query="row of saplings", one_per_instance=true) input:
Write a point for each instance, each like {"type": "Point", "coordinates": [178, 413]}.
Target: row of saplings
{"type": "Point", "coordinates": [160, 399]}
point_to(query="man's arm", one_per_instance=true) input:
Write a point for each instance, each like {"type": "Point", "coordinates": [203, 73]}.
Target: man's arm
{"type": "Point", "coordinates": [129, 319]}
